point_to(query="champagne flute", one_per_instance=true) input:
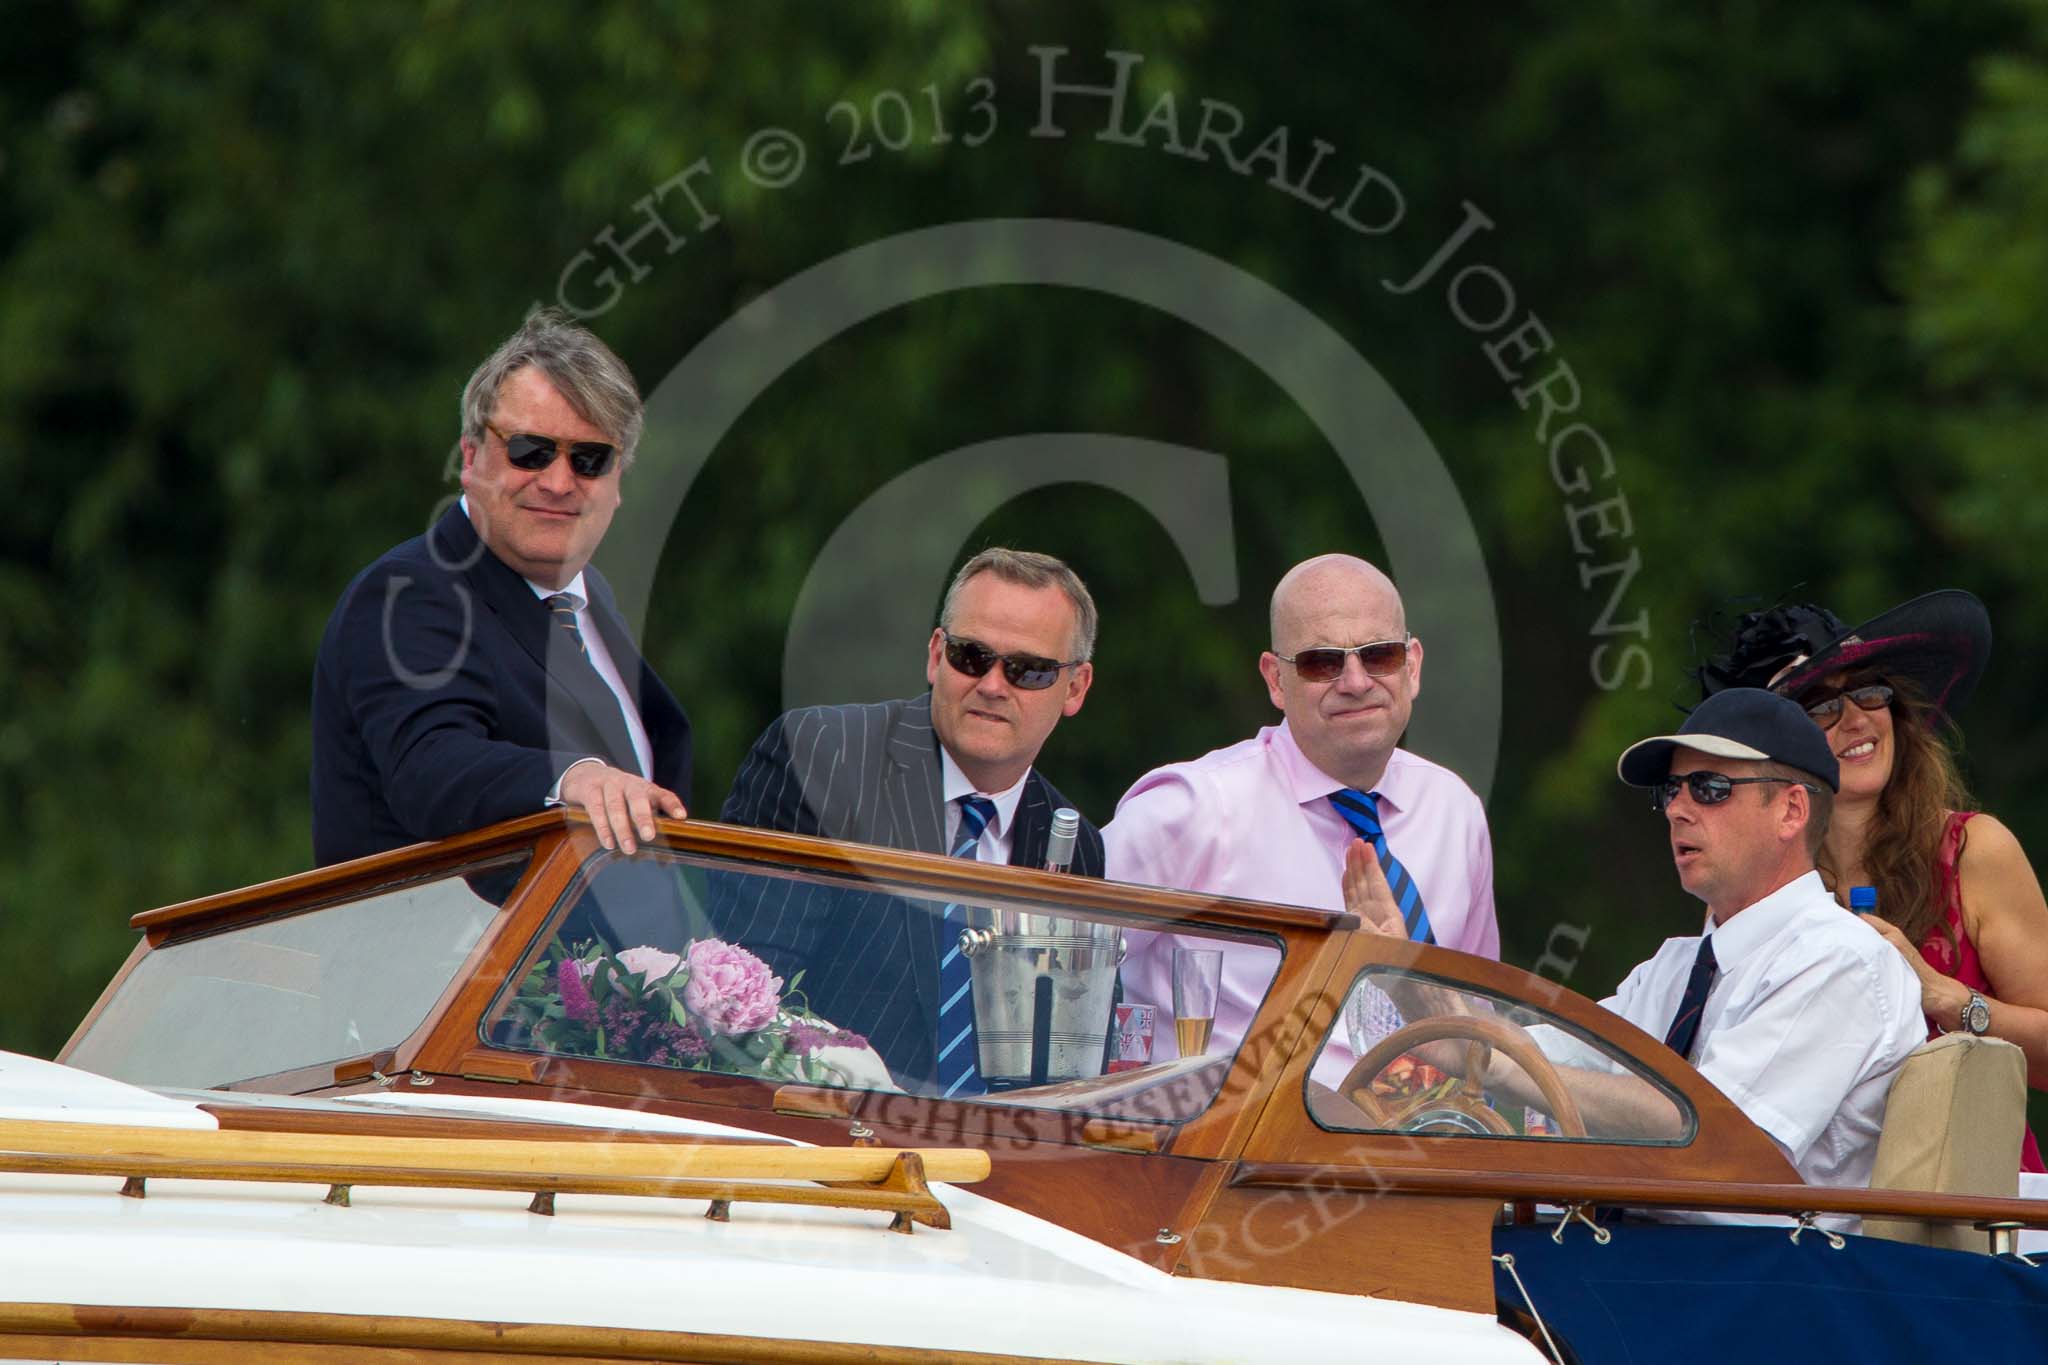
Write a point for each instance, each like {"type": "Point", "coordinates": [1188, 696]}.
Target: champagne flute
{"type": "Point", "coordinates": [1197, 976]}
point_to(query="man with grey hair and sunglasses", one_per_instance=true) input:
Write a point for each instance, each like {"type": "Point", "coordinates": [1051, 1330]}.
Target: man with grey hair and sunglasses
{"type": "Point", "coordinates": [1270, 818]}
{"type": "Point", "coordinates": [952, 772]}
{"type": "Point", "coordinates": [482, 671]}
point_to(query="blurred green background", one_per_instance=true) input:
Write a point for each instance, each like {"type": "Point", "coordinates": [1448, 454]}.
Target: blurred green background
{"type": "Point", "coordinates": [1793, 256]}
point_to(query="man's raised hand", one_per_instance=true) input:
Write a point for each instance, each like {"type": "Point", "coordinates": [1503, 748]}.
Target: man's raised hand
{"type": "Point", "coordinates": [1367, 895]}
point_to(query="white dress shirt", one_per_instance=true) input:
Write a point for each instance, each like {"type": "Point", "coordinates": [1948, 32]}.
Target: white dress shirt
{"type": "Point", "coordinates": [999, 834]}
{"type": "Point", "coordinates": [1810, 1015]}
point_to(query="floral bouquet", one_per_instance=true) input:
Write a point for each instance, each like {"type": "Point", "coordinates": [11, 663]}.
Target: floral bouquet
{"type": "Point", "coordinates": [712, 1007]}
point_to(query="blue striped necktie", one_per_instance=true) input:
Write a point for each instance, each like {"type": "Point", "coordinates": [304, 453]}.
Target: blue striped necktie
{"type": "Point", "coordinates": [1361, 810]}
{"type": "Point", "coordinates": [958, 1071]}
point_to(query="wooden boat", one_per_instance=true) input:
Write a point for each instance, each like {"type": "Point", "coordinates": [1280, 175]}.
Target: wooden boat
{"type": "Point", "coordinates": [452, 1104]}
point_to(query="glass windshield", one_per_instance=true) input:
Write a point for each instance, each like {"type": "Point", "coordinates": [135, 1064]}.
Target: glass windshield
{"type": "Point", "coordinates": [319, 985]}
{"type": "Point", "coordinates": [679, 961]}
{"type": "Point", "coordinates": [1418, 1054]}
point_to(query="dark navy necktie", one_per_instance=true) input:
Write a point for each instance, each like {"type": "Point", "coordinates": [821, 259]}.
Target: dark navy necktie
{"type": "Point", "coordinates": [958, 1071]}
{"type": "Point", "coordinates": [1361, 810]}
{"type": "Point", "coordinates": [1685, 1025]}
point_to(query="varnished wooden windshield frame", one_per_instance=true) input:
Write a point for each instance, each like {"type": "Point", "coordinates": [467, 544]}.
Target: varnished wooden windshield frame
{"type": "Point", "coordinates": [1155, 1191]}
{"type": "Point", "coordinates": [1258, 1115]}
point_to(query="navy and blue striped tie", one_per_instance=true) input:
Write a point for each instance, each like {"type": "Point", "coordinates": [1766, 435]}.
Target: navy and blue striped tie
{"type": "Point", "coordinates": [1361, 810]}
{"type": "Point", "coordinates": [959, 1072]}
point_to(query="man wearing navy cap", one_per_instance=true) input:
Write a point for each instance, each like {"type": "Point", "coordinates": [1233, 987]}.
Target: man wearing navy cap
{"type": "Point", "coordinates": [1795, 1009]}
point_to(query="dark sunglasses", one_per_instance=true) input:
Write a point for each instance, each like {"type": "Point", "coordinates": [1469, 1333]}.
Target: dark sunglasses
{"type": "Point", "coordinates": [1028, 671]}
{"type": "Point", "coordinates": [1874, 697]}
{"type": "Point", "coordinates": [588, 459]}
{"type": "Point", "coordinates": [1710, 789]}
{"type": "Point", "coordinates": [1325, 662]}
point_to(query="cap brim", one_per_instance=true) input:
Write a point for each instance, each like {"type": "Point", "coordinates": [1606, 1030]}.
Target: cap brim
{"type": "Point", "coordinates": [1648, 761]}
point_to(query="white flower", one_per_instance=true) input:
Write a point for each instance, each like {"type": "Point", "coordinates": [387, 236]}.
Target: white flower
{"type": "Point", "coordinates": [651, 963]}
{"type": "Point", "coordinates": [855, 1068]}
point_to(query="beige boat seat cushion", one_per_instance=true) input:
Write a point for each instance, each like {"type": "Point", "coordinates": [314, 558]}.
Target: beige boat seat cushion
{"type": "Point", "coordinates": [1952, 1124]}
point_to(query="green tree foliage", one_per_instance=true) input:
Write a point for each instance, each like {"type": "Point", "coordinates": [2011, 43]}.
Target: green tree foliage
{"type": "Point", "coordinates": [248, 255]}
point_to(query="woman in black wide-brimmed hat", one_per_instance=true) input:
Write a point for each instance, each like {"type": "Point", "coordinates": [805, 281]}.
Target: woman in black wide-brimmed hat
{"type": "Point", "coordinates": [1955, 893]}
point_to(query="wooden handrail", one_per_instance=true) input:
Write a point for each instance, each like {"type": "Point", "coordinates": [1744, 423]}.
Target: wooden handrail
{"type": "Point", "coordinates": [340, 1177]}
{"type": "Point", "coordinates": [1716, 1196]}
{"type": "Point", "coordinates": [889, 1180]}
{"type": "Point", "coordinates": [706, 1161]}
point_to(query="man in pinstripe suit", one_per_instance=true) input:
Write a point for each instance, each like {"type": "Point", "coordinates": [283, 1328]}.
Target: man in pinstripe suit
{"type": "Point", "coordinates": [1009, 660]}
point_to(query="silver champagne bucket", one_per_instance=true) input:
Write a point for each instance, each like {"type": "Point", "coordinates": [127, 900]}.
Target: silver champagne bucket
{"type": "Point", "coordinates": [1044, 985]}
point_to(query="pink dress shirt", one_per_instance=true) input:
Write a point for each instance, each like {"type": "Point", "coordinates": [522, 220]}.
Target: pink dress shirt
{"type": "Point", "coordinates": [1254, 820]}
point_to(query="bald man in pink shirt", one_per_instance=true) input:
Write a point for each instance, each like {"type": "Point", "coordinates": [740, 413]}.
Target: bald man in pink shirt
{"type": "Point", "coordinates": [1266, 818]}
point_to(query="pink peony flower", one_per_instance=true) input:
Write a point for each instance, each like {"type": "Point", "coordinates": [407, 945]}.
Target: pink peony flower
{"type": "Point", "coordinates": [651, 963]}
{"type": "Point", "coordinates": [730, 989]}
{"type": "Point", "coordinates": [570, 978]}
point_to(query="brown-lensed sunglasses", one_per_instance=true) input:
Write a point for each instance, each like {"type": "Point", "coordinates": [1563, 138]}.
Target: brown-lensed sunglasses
{"type": "Point", "coordinates": [1871, 697]}
{"type": "Point", "coordinates": [1325, 662]}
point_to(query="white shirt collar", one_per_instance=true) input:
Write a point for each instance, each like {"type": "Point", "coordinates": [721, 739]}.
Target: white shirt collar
{"type": "Point", "coordinates": [1758, 922]}
{"type": "Point", "coordinates": [574, 587]}
{"type": "Point", "coordinates": [955, 785]}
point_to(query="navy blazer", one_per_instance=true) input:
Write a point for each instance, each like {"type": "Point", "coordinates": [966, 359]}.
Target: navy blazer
{"type": "Point", "coordinates": [437, 710]}
{"type": "Point", "coordinates": [869, 774]}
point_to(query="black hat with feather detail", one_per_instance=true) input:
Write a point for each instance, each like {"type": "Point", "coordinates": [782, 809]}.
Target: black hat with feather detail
{"type": "Point", "coordinates": [1938, 642]}
{"type": "Point", "coordinates": [1765, 643]}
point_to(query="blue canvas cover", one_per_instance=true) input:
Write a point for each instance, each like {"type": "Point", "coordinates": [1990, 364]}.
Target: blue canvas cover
{"type": "Point", "coordinates": [1662, 1294]}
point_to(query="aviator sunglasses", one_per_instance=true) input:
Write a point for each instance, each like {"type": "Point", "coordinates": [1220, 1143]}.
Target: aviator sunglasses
{"type": "Point", "coordinates": [1710, 789]}
{"type": "Point", "coordinates": [588, 459]}
{"type": "Point", "coordinates": [1873, 697]}
{"type": "Point", "coordinates": [1028, 671]}
{"type": "Point", "coordinates": [1325, 662]}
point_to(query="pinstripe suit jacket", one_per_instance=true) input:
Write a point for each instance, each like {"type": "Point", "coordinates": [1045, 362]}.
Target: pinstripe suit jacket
{"type": "Point", "coordinates": [867, 774]}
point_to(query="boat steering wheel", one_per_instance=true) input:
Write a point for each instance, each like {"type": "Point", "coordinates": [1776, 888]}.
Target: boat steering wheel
{"type": "Point", "coordinates": [1463, 1106]}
